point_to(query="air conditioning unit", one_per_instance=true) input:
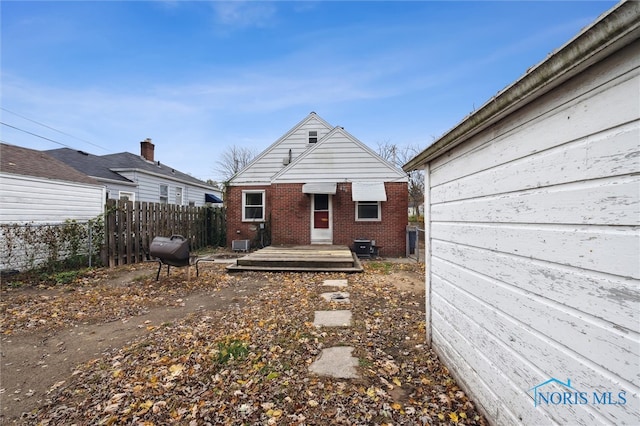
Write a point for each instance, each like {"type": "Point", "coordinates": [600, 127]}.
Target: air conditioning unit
{"type": "Point", "coordinates": [240, 245]}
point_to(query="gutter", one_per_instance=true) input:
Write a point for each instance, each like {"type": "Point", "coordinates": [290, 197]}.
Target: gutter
{"type": "Point", "coordinates": [613, 30]}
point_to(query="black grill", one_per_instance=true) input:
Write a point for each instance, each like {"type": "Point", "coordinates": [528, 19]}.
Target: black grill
{"type": "Point", "coordinates": [172, 251]}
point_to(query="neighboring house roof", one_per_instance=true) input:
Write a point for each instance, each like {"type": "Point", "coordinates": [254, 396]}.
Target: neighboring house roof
{"type": "Point", "coordinates": [337, 156]}
{"type": "Point", "coordinates": [28, 162]}
{"type": "Point", "coordinates": [125, 161]}
{"type": "Point", "coordinates": [89, 164]}
{"type": "Point", "coordinates": [110, 167]}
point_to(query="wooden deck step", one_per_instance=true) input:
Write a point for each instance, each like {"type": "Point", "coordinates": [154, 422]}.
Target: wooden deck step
{"type": "Point", "coordinates": [314, 258]}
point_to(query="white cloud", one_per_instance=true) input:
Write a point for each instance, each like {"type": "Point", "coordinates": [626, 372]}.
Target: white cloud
{"type": "Point", "coordinates": [244, 14]}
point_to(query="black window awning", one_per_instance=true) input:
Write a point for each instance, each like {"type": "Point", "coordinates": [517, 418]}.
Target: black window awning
{"type": "Point", "coordinates": [211, 198]}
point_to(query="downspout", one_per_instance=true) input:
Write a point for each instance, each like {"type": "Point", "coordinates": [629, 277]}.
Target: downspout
{"type": "Point", "coordinates": [427, 251]}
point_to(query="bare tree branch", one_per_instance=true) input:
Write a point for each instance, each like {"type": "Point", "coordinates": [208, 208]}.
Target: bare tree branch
{"type": "Point", "coordinates": [232, 160]}
{"type": "Point", "coordinates": [399, 156]}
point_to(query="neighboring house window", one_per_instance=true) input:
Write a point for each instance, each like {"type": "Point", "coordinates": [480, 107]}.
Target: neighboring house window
{"type": "Point", "coordinates": [164, 194]}
{"type": "Point", "coordinates": [178, 195]}
{"type": "Point", "coordinates": [368, 210]}
{"type": "Point", "coordinates": [192, 203]}
{"type": "Point", "coordinates": [126, 196]}
{"type": "Point", "coordinates": [313, 136]}
{"type": "Point", "coordinates": [253, 206]}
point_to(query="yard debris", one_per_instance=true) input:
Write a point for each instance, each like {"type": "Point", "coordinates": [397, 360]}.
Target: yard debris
{"type": "Point", "coordinates": [249, 364]}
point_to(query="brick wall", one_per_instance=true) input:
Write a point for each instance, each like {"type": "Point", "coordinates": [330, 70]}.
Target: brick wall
{"type": "Point", "coordinates": [236, 228]}
{"type": "Point", "coordinates": [389, 233]}
{"type": "Point", "coordinates": [289, 211]}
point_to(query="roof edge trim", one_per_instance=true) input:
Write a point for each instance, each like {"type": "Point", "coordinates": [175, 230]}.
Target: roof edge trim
{"type": "Point", "coordinates": [614, 29]}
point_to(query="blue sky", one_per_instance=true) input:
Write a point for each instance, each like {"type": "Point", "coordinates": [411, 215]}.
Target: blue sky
{"type": "Point", "coordinates": [199, 77]}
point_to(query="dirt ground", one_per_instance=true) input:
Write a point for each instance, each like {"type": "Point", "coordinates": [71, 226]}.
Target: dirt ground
{"type": "Point", "coordinates": [33, 363]}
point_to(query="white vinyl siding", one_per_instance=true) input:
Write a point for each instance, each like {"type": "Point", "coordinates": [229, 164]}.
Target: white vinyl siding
{"type": "Point", "coordinates": [114, 190]}
{"type": "Point", "coordinates": [534, 250]}
{"type": "Point", "coordinates": [29, 199]}
{"type": "Point", "coordinates": [272, 160]}
{"type": "Point", "coordinates": [179, 193]}
{"type": "Point", "coordinates": [149, 189]}
{"type": "Point", "coordinates": [338, 156]}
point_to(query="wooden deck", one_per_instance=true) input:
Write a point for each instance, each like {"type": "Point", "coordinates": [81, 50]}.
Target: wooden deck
{"type": "Point", "coordinates": [313, 258]}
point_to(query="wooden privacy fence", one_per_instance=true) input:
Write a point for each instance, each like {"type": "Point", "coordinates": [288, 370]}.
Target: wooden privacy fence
{"type": "Point", "coordinates": [131, 226]}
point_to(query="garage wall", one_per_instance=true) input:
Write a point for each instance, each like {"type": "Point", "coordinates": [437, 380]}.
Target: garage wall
{"type": "Point", "coordinates": [535, 247]}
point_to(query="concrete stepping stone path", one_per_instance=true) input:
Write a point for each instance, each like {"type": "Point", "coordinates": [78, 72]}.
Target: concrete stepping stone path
{"type": "Point", "coordinates": [340, 297]}
{"type": "Point", "coordinates": [335, 283]}
{"type": "Point", "coordinates": [332, 318]}
{"type": "Point", "coordinates": [337, 361]}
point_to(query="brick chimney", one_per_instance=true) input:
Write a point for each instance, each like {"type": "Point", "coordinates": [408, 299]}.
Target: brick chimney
{"type": "Point", "coordinates": [146, 149]}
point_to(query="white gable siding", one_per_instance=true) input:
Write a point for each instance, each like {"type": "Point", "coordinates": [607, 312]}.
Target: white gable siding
{"type": "Point", "coordinates": [29, 199]}
{"type": "Point", "coordinates": [271, 161]}
{"type": "Point", "coordinates": [535, 251]}
{"type": "Point", "coordinates": [340, 158]}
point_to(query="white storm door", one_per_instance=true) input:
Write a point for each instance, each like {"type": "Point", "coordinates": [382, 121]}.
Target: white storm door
{"type": "Point", "coordinates": [321, 219]}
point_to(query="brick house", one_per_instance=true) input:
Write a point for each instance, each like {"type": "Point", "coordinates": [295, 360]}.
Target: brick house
{"type": "Point", "coordinates": [318, 184]}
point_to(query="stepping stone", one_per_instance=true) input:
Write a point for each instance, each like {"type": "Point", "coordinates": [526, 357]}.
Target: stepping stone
{"type": "Point", "coordinates": [336, 362]}
{"type": "Point", "coordinates": [335, 283]}
{"type": "Point", "coordinates": [332, 318]}
{"type": "Point", "coordinates": [339, 297]}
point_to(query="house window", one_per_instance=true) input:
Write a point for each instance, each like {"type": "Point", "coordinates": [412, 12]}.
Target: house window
{"type": "Point", "coordinates": [368, 211]}
{"type": "Point", "coordinates": [164, 194]}
{"type": "Point", "coordinates": [253, 206]}
{"type": "Point", "coordinates": [126, 196]}
{"type": "Point", "coordinates": [313, 136]}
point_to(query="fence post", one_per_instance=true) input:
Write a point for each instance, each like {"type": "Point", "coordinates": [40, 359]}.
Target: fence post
{"type": "Point", "coordinates": [110, 224]}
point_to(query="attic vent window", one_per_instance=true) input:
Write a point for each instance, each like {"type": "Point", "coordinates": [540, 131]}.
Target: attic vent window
{"type": "Point", "coordinates": [313, 136]}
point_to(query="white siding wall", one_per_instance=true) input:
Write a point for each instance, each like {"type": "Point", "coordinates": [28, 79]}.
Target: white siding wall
{"type": "Point", "coordinates": [113, 190]}
{"type": "Point", "coordinates": [149, 189]}
{"type": "Point", "coordinates": [535, 251]}
{"type": "Point", "coordinates": [340, 159]}
{"type": "Point", "coordinates": [37, 201]}
{"type": "Point", "coordinates": [27, 199]}
{"type": "Point", "coordinates": [271, 161]}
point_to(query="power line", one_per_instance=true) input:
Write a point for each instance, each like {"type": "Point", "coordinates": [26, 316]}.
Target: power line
{"type": "Point", "coordinates": [52, 128]}
{"type": "Point", "coordinates": [33, 134]}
